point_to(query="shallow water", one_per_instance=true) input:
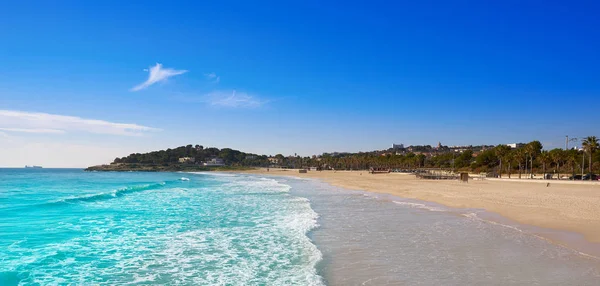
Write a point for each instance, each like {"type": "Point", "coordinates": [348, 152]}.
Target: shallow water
{"type": "Point", "coordinates": [371, 239]}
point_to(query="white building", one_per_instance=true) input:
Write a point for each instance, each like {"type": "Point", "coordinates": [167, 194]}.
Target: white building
{"type": "Point", "coordinates": [515, 145]}
{"type": "Point", "coordinates": [187, 160]}
{"type": "Point", "coordinates": [214, 162]}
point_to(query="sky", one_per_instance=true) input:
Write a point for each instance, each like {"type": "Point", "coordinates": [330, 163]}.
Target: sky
{"type": "Point", "coordinates": [82, 83]}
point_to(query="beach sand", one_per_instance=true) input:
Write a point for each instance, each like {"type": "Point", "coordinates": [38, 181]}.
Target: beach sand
{"type": "Point", "coordinates": [573, 207]}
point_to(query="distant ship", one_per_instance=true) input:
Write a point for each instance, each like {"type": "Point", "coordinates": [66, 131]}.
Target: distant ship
{"type": "Point", "coordinates": [37, 167]}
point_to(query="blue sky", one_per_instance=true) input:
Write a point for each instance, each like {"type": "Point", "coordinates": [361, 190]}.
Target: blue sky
{"type": "Point", "coordinates": [308, 77]}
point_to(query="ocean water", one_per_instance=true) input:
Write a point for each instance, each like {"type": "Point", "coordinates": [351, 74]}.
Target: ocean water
{"type": "Point", "coordinates": [69, 227]}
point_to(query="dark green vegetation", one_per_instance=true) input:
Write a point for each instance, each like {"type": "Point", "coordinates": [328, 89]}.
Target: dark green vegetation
{"type": "Point", "coordinates": [501, 159]}
{"type": "Point", "coordinates": [125, 167]}
{"type": "Point", "coordinates": [198, 152]}
{"type": "Point", "coordinates": [168, 160]}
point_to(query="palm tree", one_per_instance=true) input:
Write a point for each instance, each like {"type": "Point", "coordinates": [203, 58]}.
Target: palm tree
{"type": "Point", "coordinates": [509, 158]}
{"type": "Point", "coordinates": [545, 158]}
{"type": "Point", "coordinates": [533, 149]}
{"type": "Point", "coordinates": [557, 156]}
{"type": "Point", "coordinates": [572, 157]}
{"type": "Point", "coordinates": [519, 155]}
{"type": "Point", "coordinates": [501, 152]}
{"type": "Point", "coordinates": [590, 144]}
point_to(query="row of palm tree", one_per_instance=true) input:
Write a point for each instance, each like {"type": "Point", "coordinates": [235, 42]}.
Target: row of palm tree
{"type": "Point", "coordinates": [532, 153]}
{"type": "Point", "coordinates": [501, 159]}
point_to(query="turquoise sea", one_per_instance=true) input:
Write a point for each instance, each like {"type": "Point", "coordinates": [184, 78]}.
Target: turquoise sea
{"type": "Point", "coordinates": [66, 226]}
{"type": "Point", "coordinates": [70, 227]}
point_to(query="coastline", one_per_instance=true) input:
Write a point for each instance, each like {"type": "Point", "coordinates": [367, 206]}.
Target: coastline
{"type": "Point", "coordinates": [567, 213]}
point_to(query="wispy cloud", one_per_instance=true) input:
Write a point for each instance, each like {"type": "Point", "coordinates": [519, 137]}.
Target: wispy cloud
{"type": "Point", "coordinates": [233, 99]}
{"type": "Point", "coordinates": [158, 74]}
{"type": "Point", "coordinates": [35, 122]}
{"type": "Point", "coordinates": [213, 77]}
{"type": "Point", "coordinates": [33, 130]}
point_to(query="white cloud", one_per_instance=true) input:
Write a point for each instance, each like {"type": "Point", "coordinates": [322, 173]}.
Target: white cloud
{"type": "Point", "coordinates": [213, 77]}
{"type": "Point", "coordinates": [158, 74]}
{"type": "Point", "coordinates": [233, 99]}
{"type": "Point", "coordinates": [33, 130]}
{"type": "Point", "coordinates": [34, 122]}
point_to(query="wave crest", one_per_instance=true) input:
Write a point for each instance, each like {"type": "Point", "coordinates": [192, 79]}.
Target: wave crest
{"type": "Point", "coordinates": [107, 195]}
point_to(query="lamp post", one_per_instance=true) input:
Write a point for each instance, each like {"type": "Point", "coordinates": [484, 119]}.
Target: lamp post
{"type": "Point", "coordinates": [567, 142]}
{"type": "Point", "coordinates": [526, 161]}
{"type": "Point", "coordinates": [453, 153]}
{"type": "Point", "coordinates": [531, 168]}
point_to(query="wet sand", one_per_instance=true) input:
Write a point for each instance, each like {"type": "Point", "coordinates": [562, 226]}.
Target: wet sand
{"type": "Point", "coordinates": [573, 207]}
{"type": "Point", "coordinates": [370, 238]}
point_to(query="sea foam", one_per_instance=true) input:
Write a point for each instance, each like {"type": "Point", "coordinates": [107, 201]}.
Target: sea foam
{"type": "Point", "coordinates": [219, 230]}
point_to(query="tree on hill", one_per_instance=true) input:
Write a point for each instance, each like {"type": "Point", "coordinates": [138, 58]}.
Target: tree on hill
{"type": "Point", "coordinates": [171, 156]}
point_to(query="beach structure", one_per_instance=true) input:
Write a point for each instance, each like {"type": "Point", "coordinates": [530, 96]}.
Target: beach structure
{"type": "Point", "coordinates": [435, 174]}
{"type": "Point", "coordinates": [379, 170]}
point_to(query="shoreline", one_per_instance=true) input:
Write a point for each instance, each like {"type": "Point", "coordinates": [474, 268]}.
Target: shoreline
{"type": "Point", "coordinates": [565, 213]}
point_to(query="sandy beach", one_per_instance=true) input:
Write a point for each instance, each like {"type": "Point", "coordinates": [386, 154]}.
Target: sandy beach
{"type": "Point", "coordinates": [565, 206]}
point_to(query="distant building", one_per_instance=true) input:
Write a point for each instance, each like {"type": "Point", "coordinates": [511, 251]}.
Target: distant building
{"type": "Point", "coordinates": [250, 157]}
{"type": "Point", "coordinates": [187, 160]}
{"type": "Point", "coordinates": [214, 162]}
{"type": "Point", "coordinates": [273, 160]}
{"type": "Point", "coordinates": [397, 146]}
{"type": "Point", "coordinates": [515, 145]}
{"type": "Point", "coordinates": [459, 149]}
